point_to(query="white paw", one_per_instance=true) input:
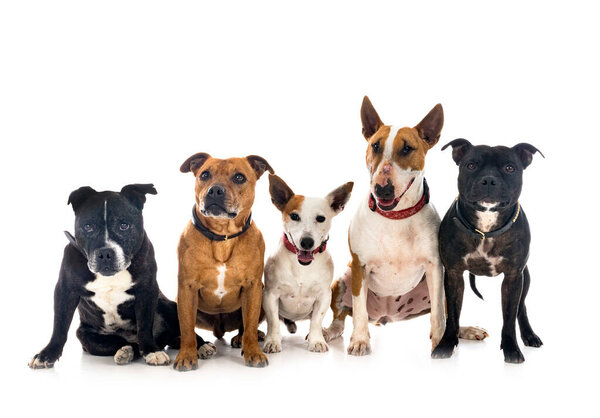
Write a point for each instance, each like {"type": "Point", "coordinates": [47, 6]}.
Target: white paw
{"type": "Point", "coordinates": [158, 358]}
{"type": "Point", "coordinates": [36, 363]}
{"type": "Point", "coordinates": [472, 333]}
{"type": "Point", "coordinates": [334, 331]}
{"type": "Point", "coordinates": [359, 346]}
{"type": "Point", "coordinates": [207, 350]}
{"type": "Point", "coordinates": [272, 345]}
{"type": "Point", "coordinates": [317, 345]}
{"type": "Point", "coordinates": [124, 355]}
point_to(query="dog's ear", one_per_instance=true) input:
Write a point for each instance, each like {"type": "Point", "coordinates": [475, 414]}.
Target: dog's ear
{"type": "Point", "coordinates": [339, 197]}
{"type": "Point", "coordinates": [136, 193]}
{"type": "Point", "coordinates": [370, 119]}
{"type": "Point", "coordinates": [460, 147]}
{"type": "Point", "coordinates": [194, 163]}
{"type": "Point", "coordinates": [525, 153]}
{"type": "Point", "coordinates": [79, 196]}
{"type": "Point", "coordinates": [259, 165]}
{"type": "Point", "coordinates": [280, 192]}
{"type": "Point", "coordinates": [430, 127]}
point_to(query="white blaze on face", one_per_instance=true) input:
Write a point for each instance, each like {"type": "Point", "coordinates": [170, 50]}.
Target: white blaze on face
{"type": "Point", "coordinates": [220, 291]}
{"type": "Point", "coordinates": [399, 177]}
{"type": "Point", "coordinates": [121, 264]}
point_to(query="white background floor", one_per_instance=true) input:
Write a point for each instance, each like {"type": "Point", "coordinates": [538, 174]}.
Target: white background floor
{"type": "Point", "coordinates": [110, 93]}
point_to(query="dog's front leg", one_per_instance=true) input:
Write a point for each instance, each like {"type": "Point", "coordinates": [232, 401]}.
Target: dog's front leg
{"type": "Point", "coordinates": [316, 341]}
{"type": "Point", "coordinates": [187, 306]}
{"type": "Point", "coordinates": [435, 286]}
{"type": "Point", "coordinates": [251, 302]}
{"type": "Point", "coordinates": [65, 303]}
{"type": "Point", "coordinates": [271, 307]}
{"type": "Point", "coordinates": [454, 287]}
{"type": "Point", "coordinates": [145, 307]}
{"type": "Point", "coordinates": [359, 341]}
{"type": "Point", "coordinates": [512, 287]}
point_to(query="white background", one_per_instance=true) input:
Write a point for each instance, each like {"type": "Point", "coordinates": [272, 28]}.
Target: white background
{"type": "Point", "coordinates": [115, 92]}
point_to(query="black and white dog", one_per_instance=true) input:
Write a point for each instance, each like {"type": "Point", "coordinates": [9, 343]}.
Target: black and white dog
{"type": "Point", "coordinates": [109, 272]}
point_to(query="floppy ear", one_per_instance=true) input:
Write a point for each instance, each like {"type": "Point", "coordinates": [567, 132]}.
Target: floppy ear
{"type": "Point", "coordinates": [136, 193]}
{"type": "Point", "coordinates": [339, 197]}
{"type": "Point", "coordinates": [430, 127]}
{"type": "Point", "coordinates": [77, 197]}
{"type": "Point", "coordinates": [460, 147]}
{"type": "Point", "coordinates": [259, 165]}
{"type": "Point", "coordinates": [525, 152]}
{"type": "Point", "coordinates": [194, 163]}
{"type": "Point", "coordinates": [280, 192]}
{"type": "Point", "coordinates": [369, 118]}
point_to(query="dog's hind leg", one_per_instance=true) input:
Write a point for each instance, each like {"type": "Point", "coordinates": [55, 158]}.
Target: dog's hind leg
{"type": "Point", "coordinates": [107, 345]}
{"type": "Point", "coordinates": [340, 311]}
{"type": "Point", "coordinates": [529, 337]}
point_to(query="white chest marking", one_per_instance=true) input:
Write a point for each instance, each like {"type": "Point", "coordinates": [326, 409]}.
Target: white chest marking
{"type": "Point", "coordinates": [486, 220]}
{"type": "Point", "coordinates": [480, 252]}
{"type": "Point", "coordinates": [109, 293]}
{"type": "Point", "coordinates": [220, 291]}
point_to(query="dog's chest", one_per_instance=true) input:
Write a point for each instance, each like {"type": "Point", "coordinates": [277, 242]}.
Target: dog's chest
{"type": "Point", "coordinates": [109, 293]}
{"type": "Point", "coordinates": [480, 262]}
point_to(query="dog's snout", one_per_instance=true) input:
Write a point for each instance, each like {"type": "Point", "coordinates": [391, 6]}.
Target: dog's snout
{"type": "Point", "coordinates": [105, 258]}
{"type": "Point", "coordinates": [489, 181]}
{"type": "Point", "coordinates": [216, 191]}
{"type": "Point", "coordinates": [307, 243]}
{"type": "Point", "coordinates": [384, 192]}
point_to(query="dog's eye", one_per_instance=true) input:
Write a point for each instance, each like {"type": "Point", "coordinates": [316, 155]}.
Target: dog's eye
{"type": "Point", "coordinates": [239, 178]}
{"type": "Point", "coordinates": [88, 227]}
{"type": "Point", "coordinates": [406, 150]}
{"type": "Point", "coordinates": [294, 217]}
{"type": "Point", "coordinates": [376, 147]}
{"type": "Point", "coordinates": [124, 226]}
{"type": "Point", "coordinates": [320, 219]}
{"type": "Point", "coordinates": [509, 168]}
{"type": "Point", "coordinates": [471, 166]}
{"type": "Point", "coordinates": [205, 175]}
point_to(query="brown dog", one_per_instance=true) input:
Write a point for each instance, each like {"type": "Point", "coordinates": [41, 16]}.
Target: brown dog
{"type": "Point", "coordinates": [221, 257]}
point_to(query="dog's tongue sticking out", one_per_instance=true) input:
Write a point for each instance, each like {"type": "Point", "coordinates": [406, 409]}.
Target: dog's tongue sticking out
{"type": "Point", "coordinates": [305, 256]}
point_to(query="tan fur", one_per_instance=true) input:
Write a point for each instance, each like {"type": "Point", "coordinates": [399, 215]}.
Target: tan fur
{"type": "Point", "coordinates": [293, 205]}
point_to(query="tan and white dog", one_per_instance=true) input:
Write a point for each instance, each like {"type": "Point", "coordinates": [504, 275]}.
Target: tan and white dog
{"type": "Point", "coordinates": [298, 275]}
{"type": "Point", "coordinates": [395, 272]}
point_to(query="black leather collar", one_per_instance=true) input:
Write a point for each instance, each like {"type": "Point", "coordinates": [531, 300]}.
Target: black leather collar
{"type": "Point", "coordinates": [460, 220]}
{"type": "Point", "coordinates": [211, 235]}
{"type": "Point", "coordinates": [72, 241]}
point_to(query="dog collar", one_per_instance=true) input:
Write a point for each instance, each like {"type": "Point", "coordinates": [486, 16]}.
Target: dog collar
{"type": "Point", "coordinates": [211, 235]}
{"type": "Point", "coordinates": [292, 248]}
{"type": "Point", "coordinates": [461, 221]}
{"type": "Point", "coordinates": [404, 213]}
{"type": "Point", "coordinates": [72, 241]}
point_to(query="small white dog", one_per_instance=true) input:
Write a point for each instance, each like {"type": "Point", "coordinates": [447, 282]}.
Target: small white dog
{"type": "Point", "coordinates": [298, 276]}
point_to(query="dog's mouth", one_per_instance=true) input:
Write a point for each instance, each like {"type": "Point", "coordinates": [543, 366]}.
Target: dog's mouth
{"type": "Point", "coordinates": [389, 204]}
{"type": "Point", "coordinates": [217, 211]}
{"type": "Point", "coordinates": [305, 257]}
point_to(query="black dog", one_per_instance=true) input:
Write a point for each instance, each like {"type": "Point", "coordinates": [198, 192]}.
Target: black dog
{"type": "Point", "coordinates": [109, 272]}
{"type": "Point", "coordinates": [486, 232]}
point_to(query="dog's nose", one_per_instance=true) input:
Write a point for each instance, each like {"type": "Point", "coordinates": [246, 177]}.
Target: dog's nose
{"type": "Point", "coordinates": [307, 243]}
{"type": "Point", "coordinates": [216, 191]}
{"type": "Point", "coordinates": [488, 181]}
{"type": "Point", "coordinates": [105, 258]}
{"type": "Point", "coordinates": [384, 192]}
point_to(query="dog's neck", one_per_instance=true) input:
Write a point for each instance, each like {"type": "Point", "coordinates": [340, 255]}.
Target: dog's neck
{"type": "Point", "coordinates": [487, 220]}
{"type": "Point", "coordinates": [413, 194]}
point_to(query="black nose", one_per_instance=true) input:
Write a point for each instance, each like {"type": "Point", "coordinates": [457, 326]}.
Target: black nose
{"type": "Point", "coordinates": [488, 181]}
{"type": "Point", "coordinates": [216, 191]}
{"type": "Point", "coordinates": [307, 243]}
{"type": "Point", "coordinates": [386, 192]}
{"type": "Point", "coordinates": [105, 258]}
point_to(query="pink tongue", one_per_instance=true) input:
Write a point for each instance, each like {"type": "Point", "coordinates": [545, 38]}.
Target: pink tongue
{"type": "Point", "coordinates": [305, 256]}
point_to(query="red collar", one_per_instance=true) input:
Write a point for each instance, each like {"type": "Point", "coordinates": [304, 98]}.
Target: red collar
{"type": "Point", "coordinates": [292, 248]}
{"type": "Point", "coordinates": [404, 213]}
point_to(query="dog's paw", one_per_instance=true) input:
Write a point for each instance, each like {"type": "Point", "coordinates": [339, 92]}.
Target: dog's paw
{"type": "Point", "coordinates": [359, 347]}
{"type": "Point", "coordinates": [124, 355]}
{"type": "Point", "coordinates": [512, 354]}
{"type": "Point", "coordinates": [444, 349]}
{"type": "Point", "coordinates": [272, 345]}
{"type": "Point", "coordinates": [184, 362]}
{"type": "Point", "coordinates": [317, 346]}
{"type": "Point", "coordinates": [531, 340]}
{"type": "Point", "coordinates": [261, 335]}
{"type": "Point", "coordinates": [472, 333]}
{"type": "Point", "coordinates": [207, 350]}
{"type": "Point", "coordinates": [158, 358]}
{"type": "Point", "coordinates": [255, 359]}
{"type": "Point", "coordinates": [236, 342]}
{"type": "Point", "coordinates": [41, 361]}
{"type": "Point", "coordinates": [332, 332]}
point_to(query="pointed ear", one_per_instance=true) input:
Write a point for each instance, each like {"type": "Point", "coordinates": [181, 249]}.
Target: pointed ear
{"type": "Point", "coordinates": [339, 197]}
{"type": "Point", "coordinates": [525, 152]}
{"type": "Point", "coordinates": [259, 165]}
{"type": "Point", "coordinates": [79, 196]}
{"type": "Point", "coordinates": [280, 192]}
{"type": "Point", "coordinates": [370, 119]}
{"type": "Point", "coordinates": [194, 163]}
{"type": "Point", "coordinates": [430, 127]}
{"type": "Point", "coordinates": [460, 147]}
{"type": "Point", "coordinates": [136, 193]}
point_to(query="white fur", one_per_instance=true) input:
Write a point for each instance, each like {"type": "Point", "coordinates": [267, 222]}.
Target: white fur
{"type": "Point", "coordinates": [481, 253]}
{"type": "Point", "coordinates": [158, 358]}
{"type": "Point", "coordinates": [220, 291]}
{"type": "Point", "coordinates": [486, 219]}
{"type": "Point", "coordinates": [124, 355]}
{"type": "Point", "coordinates": [109, 293]}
